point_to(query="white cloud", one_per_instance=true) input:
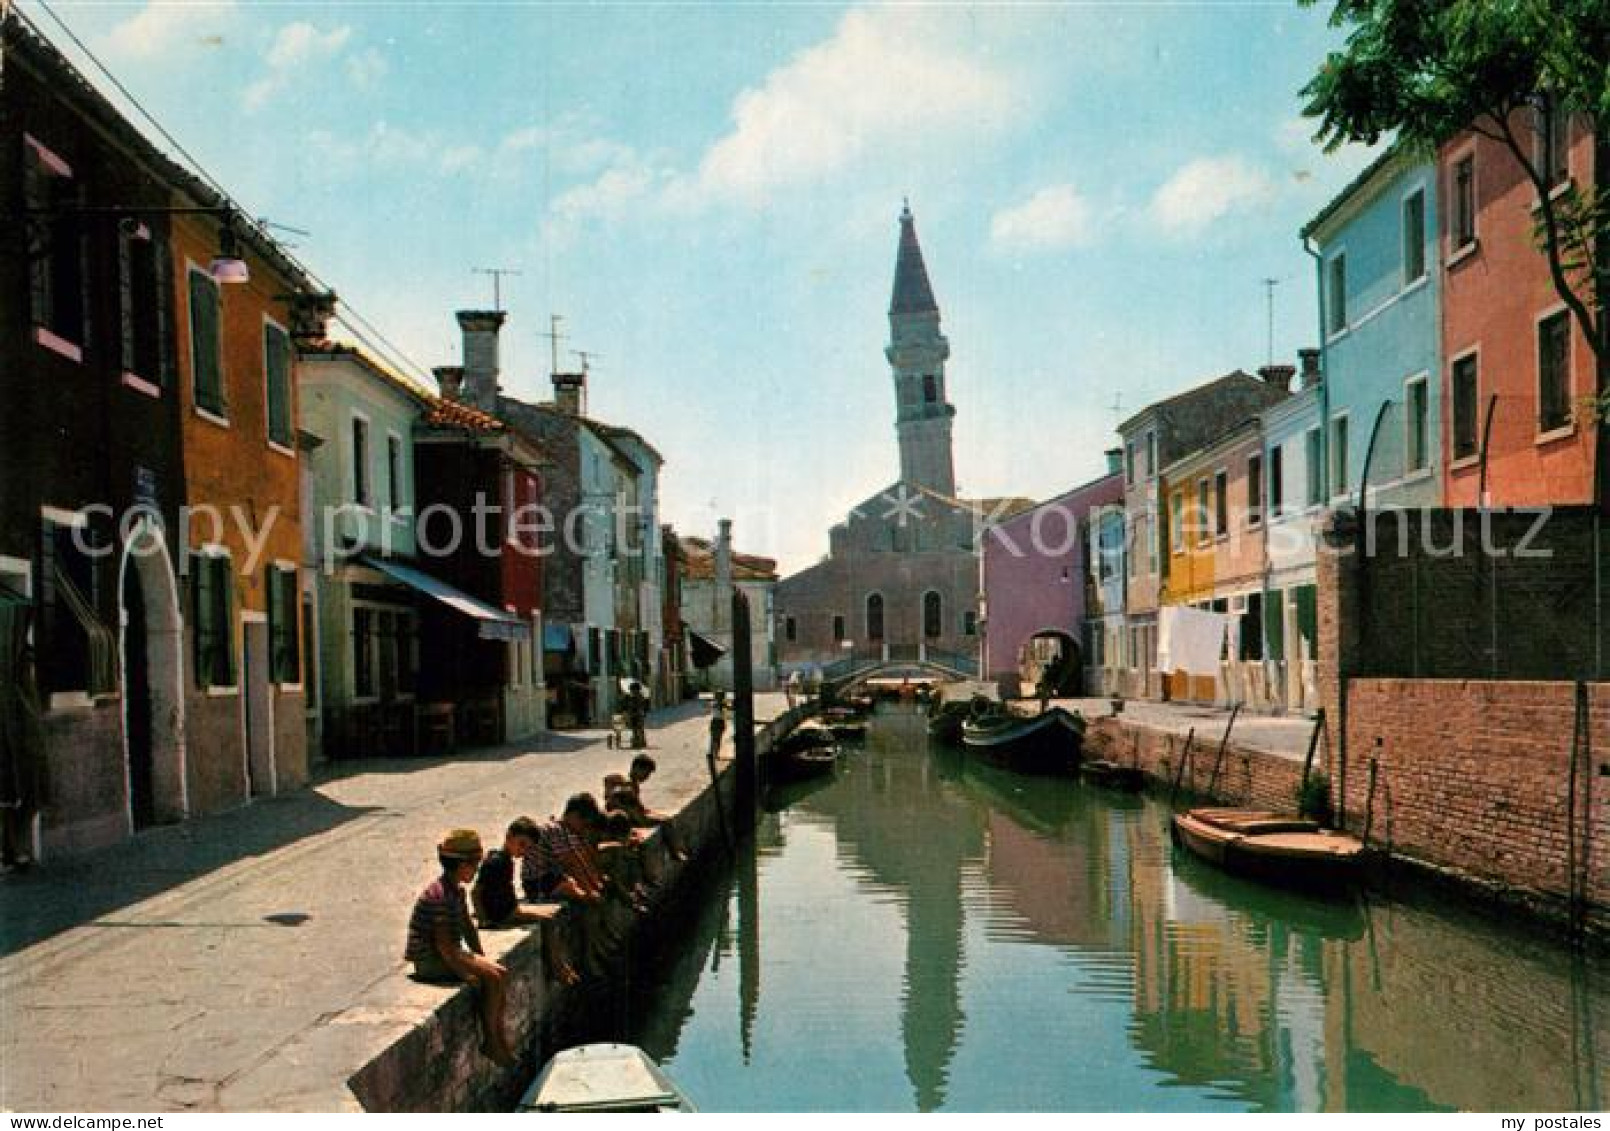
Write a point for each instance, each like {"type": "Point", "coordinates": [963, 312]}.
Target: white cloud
{"type": "Point", "coordinates": [887, 76]}
{"type": "Point", "coordinates": [1054, 219]}
{"type": "Point", "coordinates": [159, 27]}
{"type": "Point", "coordinates": [295, 46]}
{"type": "Point", "coordinates": [1207, 190]}
{"type": "Point", "coordinates": [366, 68]}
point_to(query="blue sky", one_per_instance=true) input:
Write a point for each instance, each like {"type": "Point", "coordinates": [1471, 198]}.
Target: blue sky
{"type": "Point", "coordinates": [709, 196]}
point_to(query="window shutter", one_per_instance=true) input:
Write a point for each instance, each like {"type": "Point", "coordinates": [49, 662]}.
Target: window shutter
{"type": "Point", "coordinates": [125, 303]}
{"type": "Point", "coordinates": [276, 626]}
{"type": "Point", "coordinates": [276, 364]}
{"type": "Point", "coordinates": [205, 629]}
{"type": "Point", "coordinates": [204, 342]}
{"type": "Point", "coordinates": [224, 636]}
{"type": "Point", "coordinates": [163, 281]}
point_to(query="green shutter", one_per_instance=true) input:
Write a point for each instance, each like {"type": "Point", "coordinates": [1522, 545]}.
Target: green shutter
{"type": "Point", "coordinates": [277, 370]}
{"type": "Point", "coordinates": [201, 568]}
{"type": "Point", "coordinates": [290, 607]}
{"type": "Point", "coordinates": [276, 618]}
{"type": "Point", "coordinates": [204, 346]}
{"type": "Point", "coordinates": [224, 636]}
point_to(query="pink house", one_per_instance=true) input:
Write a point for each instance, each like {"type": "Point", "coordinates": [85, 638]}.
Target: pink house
{"type": "Point", "coordinates": [1037, 571]}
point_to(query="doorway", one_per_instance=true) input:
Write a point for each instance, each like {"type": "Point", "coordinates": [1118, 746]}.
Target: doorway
{"type": "Point", "coordinates": [259, 707]}
{"type": "Point", "coordinates": [153, 681]}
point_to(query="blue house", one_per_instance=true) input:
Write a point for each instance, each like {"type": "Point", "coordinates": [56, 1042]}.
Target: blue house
{"type": "Point", "coordinates": [1294, 497]}
{"type": "Point", "coordinates": [1375, 249]}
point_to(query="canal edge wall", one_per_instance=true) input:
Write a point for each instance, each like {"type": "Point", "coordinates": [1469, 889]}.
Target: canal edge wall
{"type": "Point", "coordinates": [434, 1063]}
{"type": "Point", "coordinates": [1484, 827]}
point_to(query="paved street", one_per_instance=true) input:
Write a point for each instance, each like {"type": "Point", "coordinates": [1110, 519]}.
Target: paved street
{"type": "Point", "coordinates": [1283, 735]}
{"type": "Point", "coordinates": [219, 963]}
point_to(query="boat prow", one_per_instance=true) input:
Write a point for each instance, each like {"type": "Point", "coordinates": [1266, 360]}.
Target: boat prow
{"type": "Point", "coordinates": [1048, 743]}
{"type": "Point", "coordinates": [603, 1078]}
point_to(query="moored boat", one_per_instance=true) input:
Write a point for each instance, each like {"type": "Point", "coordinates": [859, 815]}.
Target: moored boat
{"type": "Point", "coordinates": [1104, 772]}
{"type": "Point", "coordinates": [945, 720]}
{"type": "Point", "coordinates": [1048, 743]}
{"type": "Point", "coordinates": [603, 1078]}
{"type": "Point", "coordinates": [848, 732]}
{"type": "Point", "coordinates": [1270, 846]}
{"type": "Point", "coordinates": [808, 751]}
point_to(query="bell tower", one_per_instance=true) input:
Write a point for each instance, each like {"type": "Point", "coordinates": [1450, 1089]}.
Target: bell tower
{"type": "Point", "coordinates": [917, 353]}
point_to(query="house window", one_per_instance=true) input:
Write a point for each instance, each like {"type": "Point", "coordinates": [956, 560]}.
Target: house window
{"type": "Point", "coordinates": [57, 251]}
{"type": "Point", "coordinates": [1176, 522]}
{"type": "Point", "coordinates": [1129, 462]}
{"type": "Point", "coordinates": [213, 592]}
{"type": "Point", "coordinates": [1464, 201]}
{"type": "Point", "coordinates": [1151, 454]}
{"type": "Point", "coordinates": [284, 645]}
{"type": "Point", "coordinates": [930, 389]}
{"type": "Point", "coordinates": [394, 475]}
{"type": "Point", "coordinates": [1338, 454]}
{"type": "Point", "coordinates": [1254, 490]}
{"type": "Point", "coordinates": [1464, 407]}
{"type": "Point", "coordinates": [76, 647]}
{"type": "Point", "coordinates": [1414, 237]}
{"type": "Point", "coordinates": [277, 374]}
{"type": "Point", "coordinates": [1417, 420]}
{"type": "Point", "coordinates": [360, 462]}
{"type": "Point", "coordinates": [1554, 372]}
{"type": "Point", "coordinates": [932, 616]}
{"type": "Point", "coordinates": [838, 629]}
{"type": "Point", "coordinates": [205, 361]}
{"type": "Point", "coordinates": [1336, 294]}
{"type": "Point", "coordinates": [1316, 468]}
{"type": "Point", "coordinates": [1221, 504]}
{"type": "Point", "coordinates": [874, 617]}
{"type": "Point", "coordinates": [1203, 510]}
{"type": "Point", "coordinates": [790, 629]}
{"type": "Point", "coordinates": [1552, 148]}
{"type": "Point", "coordinates": [969, 623]}
{"type": "Point", "coordinates": [1277, 480]}
{"type": "Point", "coordinates": [142, 303]}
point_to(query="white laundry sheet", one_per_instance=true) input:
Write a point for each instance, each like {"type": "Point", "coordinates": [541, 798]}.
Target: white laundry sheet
{"type": "Point", "coordinates": [1190, 640]}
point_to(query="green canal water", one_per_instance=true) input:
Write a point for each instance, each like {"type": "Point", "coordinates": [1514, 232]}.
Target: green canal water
{"type": "Point", "coordinates": [928, 933]}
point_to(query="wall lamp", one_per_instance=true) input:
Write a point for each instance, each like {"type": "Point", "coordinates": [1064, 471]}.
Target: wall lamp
{"type": "Point", "coordinates": [226, 267]}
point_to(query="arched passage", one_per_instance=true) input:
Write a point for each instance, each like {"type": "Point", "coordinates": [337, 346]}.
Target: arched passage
{"type": "Point", "coordinates": [152, 650]}
{"type": "Point", "coordinates": [1053, 655]}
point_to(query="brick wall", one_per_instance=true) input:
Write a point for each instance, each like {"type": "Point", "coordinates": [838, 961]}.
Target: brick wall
{"type": "Point", "coordinates": [1246, 776]}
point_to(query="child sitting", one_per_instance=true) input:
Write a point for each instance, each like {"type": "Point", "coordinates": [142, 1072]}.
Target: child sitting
{"type": "Point", "coordinates": [496, 904]}
{"type": "Point", "coordinates": [443, 944]}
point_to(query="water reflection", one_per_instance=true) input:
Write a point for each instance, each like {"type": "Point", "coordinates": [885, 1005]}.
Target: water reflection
{"type": "Point", "coordinates": [934, 933]}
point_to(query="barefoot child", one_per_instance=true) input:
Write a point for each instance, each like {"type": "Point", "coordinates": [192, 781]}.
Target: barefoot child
{"type": "Point", "coordinates": [496, 904]}
{"type": "Point", "coordinates": [444, 946]}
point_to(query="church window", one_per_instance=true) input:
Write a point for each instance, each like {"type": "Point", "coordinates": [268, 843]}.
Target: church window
{"type": "Point", "coordinates": [969, 623]}
{"type": "Point", "coordinates": [874, 617]}
{"type": "Point", "coordinates": [930, 389]}
{"type": "Point", "coordinates": [932, 615]}
{"type": "Point", "coordinates": [838, 629]}
{"type": "Point", "coordinates": [790, 629]}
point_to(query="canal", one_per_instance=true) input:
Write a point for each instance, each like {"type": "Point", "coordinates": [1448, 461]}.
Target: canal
{"type": "Point", "coordinates": [928, 933]}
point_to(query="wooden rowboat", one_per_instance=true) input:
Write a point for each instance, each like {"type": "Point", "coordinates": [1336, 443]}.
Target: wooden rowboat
{"type": "Point", "coordinates": [1048, 743]}
{"type": "Point", "coordinates": [603, 1078]}
{"type": "Point", "coordinates": [810, 750]}
{"type": "Point", "coordinates": [1270, 846]}
{"type": "Point", "coordinates": [945, 720]}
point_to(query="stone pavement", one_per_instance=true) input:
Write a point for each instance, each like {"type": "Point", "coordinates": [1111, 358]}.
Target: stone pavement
{"type": "Point", "coordinates": [233, 962]}
{"type": "Point", "coordinates": [1283, 735]}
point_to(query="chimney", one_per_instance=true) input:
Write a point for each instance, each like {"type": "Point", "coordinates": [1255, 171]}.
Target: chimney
{"type": "Point", "coordinates": [722, 594]}
{"type": "Point", "coordinates": [1115, 460]}
{"type": "Point", "coordinates": [450, 380]}
{"type": "Point", "coordinates": [480, 385]}
{"type": "Point", "coordinates": [1278, 375]}
{"type": "Point", "coordinates": [570, 393]}
{"type": "Point", "coordinates": [1310, 366]}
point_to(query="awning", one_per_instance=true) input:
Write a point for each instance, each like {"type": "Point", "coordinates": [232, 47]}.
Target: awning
{"type": "Point", "coordinates": [557, 638]}
{"type": "Point", "coordinates": [495, 623]}
{"type": "Point", "coordinates": [703, 651]}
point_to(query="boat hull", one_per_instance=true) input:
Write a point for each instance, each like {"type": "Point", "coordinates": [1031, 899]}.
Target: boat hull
{"type": "Point", "coordinates": [1050, 743]}
{"type": "Point", "coordinates": [603, 1078]}
{"type": "Point", "coordinates": [1111, 775]}
{"type": "Point", "coordinates": [1284, 851]}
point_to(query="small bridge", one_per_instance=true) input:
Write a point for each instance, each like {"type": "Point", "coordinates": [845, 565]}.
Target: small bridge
{"type": "Point", "coordinates": [843, 675]}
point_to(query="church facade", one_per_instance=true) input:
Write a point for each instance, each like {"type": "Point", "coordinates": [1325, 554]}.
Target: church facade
{"type": "Point", "coordinates": [901, 579]}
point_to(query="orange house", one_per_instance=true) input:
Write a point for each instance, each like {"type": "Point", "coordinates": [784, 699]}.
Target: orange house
{"type": "Point", "coordinates": [1506, 334]}
{"type": "Point", "coordinates": [245, 724]}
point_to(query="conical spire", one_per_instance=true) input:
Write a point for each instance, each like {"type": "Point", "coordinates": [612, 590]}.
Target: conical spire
{"type": "Point", "coordinates": [912, 292]}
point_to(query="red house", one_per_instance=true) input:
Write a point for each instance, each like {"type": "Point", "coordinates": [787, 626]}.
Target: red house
{"type": "Point", "coordinates": [1509, 345]}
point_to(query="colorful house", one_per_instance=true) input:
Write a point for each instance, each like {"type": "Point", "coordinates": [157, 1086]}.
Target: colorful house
{"type": "Point", "coordinates": [1104, 601]}
{"type": "Point", "coordinates": [711, 573]}
{"type": "Point", "coordinates": [1158, 435]}
{"type": "Point", "coordinates": [364, 655]}
{"type": "Point", "coordinates": [92, 489]}
{"type": "Point", "coordinates": [1294, 497]}
{"type": "Point", "coordinates": [1379, 290]}
{"type": "Point", "coordinates": [1516, 367]}
{"type": "Point", "coordinates": [1035, 568]}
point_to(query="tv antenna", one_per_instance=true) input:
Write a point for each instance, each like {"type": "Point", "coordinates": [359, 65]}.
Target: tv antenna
{"type": "Point", "coordinates": [1117, 406]}
{"type": "Point", "coordinates": [587, 357]}
{"type": "Point", "coordinates": [554, 338]}
{"type": "Point", "coordinates": [498, 274]}
{"type": "Point", "coordinates": [1269, 286]}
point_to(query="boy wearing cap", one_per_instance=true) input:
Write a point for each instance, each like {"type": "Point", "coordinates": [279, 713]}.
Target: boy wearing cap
{"type": "Point", "coordinates": [444, 946]}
